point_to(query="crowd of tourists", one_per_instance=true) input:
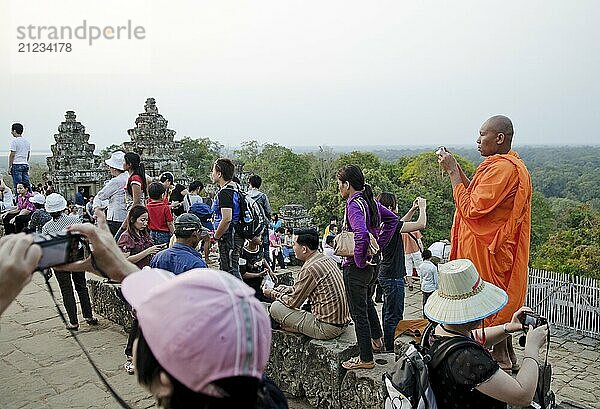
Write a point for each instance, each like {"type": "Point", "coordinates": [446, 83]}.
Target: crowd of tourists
{"type": "Point", "coordinates": [156, 237]}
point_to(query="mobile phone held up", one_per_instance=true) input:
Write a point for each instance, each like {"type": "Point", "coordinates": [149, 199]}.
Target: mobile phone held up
{"type": "Point", "coordinates": [59, 248]}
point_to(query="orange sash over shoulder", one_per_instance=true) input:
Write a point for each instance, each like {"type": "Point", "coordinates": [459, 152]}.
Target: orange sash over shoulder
{"type": "Point", "coordinates": [492, 227]}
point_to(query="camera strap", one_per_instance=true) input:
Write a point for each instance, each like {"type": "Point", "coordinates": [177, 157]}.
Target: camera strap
{"type": "Point", "coordinates": [115, 395]}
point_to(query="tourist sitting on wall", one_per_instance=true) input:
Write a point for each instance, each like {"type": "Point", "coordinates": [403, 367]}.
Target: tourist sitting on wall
{"type": "Point", "coordinates": [17, 219]}
{"type": "Point", "coordinates": [328, 250]}
{"type": "Point", "coordinates": [160, 218]}
{"type": "Point", "coordinates": [177, 357]}
{"type": "Point", "coordinates": [40, 216]}
{"type": "Point", "coordinates": [174, 192]}
{"type": "Point", "coordinates": [114, 192]}
{"type": "Point", "coordinates": [287, 244]}
{"type": "Point", "coordinates": [253, 266]}
{"type": "Point", "coordinates": [183, 256]}
{"type": "Point", "coordinates": [137, 245]}
{"type": "Point", "coordinates": [6, 197]}
{"type": "Point", "coordinates": [320, 282]}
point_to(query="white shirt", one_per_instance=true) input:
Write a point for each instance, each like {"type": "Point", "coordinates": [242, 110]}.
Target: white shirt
{"type": "Point", "coordinates": [328, 251]}
{"type": "Point", "coordinates": [114, 192]}
{"type": "Point", "coordinates": [189, 200]}
{"type": "Point", "coordinates": [20, 146]}
{"type": "Point", "coordinates": [7, 199]}
{"type": "Point", "coordinates": [429, 276]}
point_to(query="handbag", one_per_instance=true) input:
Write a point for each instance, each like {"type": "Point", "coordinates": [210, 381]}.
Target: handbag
{"type": "Point", "coordinates": [343, 244]}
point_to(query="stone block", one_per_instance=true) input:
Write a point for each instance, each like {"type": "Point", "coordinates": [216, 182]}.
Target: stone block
{"type": "Point", "coordinates": [286, 361]}
{"type": "Point", "coordinates": [107, 303]}
{"type": "Point", "coordinates": [363, 388]}
{"type": "Point", "coordinates": [322, 374]}
{"type": "Point", "coordinates": [568, 404]}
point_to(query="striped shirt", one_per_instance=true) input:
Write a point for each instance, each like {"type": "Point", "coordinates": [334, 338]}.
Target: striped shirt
{"type": "Point", "coordinates": [58, 225]}
{"type": "Point", "coordinates": [320, 281]}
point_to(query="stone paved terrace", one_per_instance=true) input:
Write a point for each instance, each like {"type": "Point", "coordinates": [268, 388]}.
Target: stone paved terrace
{"type": "Point", "coordinates": [42, 367]}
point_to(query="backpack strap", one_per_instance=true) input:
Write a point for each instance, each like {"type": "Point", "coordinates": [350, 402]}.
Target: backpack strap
{"type": "Point", "coordinates": [447, 347]}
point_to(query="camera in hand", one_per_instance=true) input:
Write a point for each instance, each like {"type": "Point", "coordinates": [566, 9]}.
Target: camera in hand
{"type": "Point", "coordinates": [533, 320]}
{"type": "Point", "coordinates": [59, 248]}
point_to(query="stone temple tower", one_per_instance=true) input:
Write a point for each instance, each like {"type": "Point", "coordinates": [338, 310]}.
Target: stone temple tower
{"type": "Point", "coordinates": [73, 164]}
{"type": "Point", "coordinates": [155, 144]}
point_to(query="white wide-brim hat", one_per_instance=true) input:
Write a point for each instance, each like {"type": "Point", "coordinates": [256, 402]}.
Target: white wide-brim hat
{"type": "Point", "coordinates": [55, 203]}
{"type": "Point", "coordinates": [38, 198]}
{"type": "Point", "coordinates": [116, 160]}
{"type": "Point", "coordinates": [462, 295]}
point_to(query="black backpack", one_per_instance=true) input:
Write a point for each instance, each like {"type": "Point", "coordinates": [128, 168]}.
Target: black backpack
{"type": "Point", "coordinates": [252, 220]}
{"type": "Point", "coordinates": [407, 385]}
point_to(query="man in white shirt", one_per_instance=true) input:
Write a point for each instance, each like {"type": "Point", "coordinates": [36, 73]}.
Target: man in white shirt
{"type": "Point", "coordinates": [18, 158]}
{"type": "Point", "coordinates": [112, 195]}
{"type": "Point", "coordinates": [429, 276]}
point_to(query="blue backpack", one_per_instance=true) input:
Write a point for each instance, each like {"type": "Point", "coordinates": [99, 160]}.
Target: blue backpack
{"type": "Point", "coordinates": [203, 211]}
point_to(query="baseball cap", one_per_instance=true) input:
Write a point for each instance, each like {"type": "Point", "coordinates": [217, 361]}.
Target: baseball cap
{"type": "Point", "coordinates": [187, 223]}
{"type": "Point", "coordinates": [202, 325]}
{"type": "Point", "coordinates": [167, 176]}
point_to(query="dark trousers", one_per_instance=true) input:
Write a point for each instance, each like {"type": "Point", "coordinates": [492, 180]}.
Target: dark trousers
{"type": "Point", "coordinates": [265, 245]}
{"type": "Point", "coordinates": [360, 287]}
{"type": "Point", "coordinates": [426, 296]}
{"type": "Point", "coordinates": [20, 174]}
{"type": "Point", "coordinates": [133, 334]}
{"type": "Point", "coordinates": [114, 226]}
{"type": "Point", "coordinates": [65, 281]}
{"type": "Point", "coordinates": [279, 258]}
{"type": "Point", "coordinates": [21, 223]}
{"type": "Point", "coordinates": [393, 308]}
{"type": "Point", "coordinates": [230, 247]}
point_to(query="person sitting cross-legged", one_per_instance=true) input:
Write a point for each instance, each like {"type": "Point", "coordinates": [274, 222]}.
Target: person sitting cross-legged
{"type": "Point", "coordinates": [183, 256]}
{"type": "Point", "coordinates": [319, 281]}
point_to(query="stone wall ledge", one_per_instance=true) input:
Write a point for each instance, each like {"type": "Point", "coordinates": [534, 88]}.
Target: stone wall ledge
{"type": "Point", "coordinates": [303, 367]}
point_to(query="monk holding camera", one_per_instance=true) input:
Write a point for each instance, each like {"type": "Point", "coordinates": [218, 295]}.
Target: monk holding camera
{"type": "Point", "coordinates": [492, 223]}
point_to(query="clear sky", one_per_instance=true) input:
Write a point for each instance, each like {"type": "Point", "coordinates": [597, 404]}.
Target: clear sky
{"type": "Point", "coordinates": [310, 72]}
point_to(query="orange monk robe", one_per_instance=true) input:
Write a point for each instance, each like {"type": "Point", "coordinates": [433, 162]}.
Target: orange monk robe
{"type": "Point", "coordinates": [492, 227]}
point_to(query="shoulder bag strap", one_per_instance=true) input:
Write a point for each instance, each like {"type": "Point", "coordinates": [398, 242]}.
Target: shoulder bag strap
{"type": "Point", "coordinates": [416, 241]}
{"type": "Point", "coordinates": [448, 346]}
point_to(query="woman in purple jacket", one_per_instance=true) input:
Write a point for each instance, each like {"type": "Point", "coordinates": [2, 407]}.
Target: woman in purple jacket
{"type": "Point", "coordinates": [364, 215]}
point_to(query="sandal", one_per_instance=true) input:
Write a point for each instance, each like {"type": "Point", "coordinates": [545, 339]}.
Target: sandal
{"type": "Point", "coordinates": [377, 345]}
{"type": "Point", "coordinates": [72, 327]}
{"type": "Point", "coordinates": [356, 363]}
{"type": "Point", "coordinates": [92, 321]}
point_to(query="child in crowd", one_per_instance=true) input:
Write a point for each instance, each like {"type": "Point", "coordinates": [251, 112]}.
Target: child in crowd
{"type": "Point", "coordinates": [328, 249]}
{"type": "Point", "coordinates": [275, 245]}
{"type": "Point", "coordinates": [429, 276]}
{"type": "Point", "coordinates": [160, 218]}
{"type": "Point", "coordinates": [254, 267]}
{"type": "Point", "coordinates": [193, 196]}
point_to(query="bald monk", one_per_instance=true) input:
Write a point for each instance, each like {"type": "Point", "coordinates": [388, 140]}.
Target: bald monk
{"type": "Point", "coordinates": [493, 220]}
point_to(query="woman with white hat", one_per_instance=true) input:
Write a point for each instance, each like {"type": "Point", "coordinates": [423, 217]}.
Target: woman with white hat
{"type": "Point", "coordinates": [40, 216]}
{"type": "Point", "coordinates": [114, 192]}
{"type": "Point", "coordinates": [56, 206]}
{"type": "Point", "coordinates": [468, 376]}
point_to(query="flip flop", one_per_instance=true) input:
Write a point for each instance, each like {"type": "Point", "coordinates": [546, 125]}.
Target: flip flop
{"type": "Point", "coordinates": [356, 363]}
{"type": "Point", "coordinates": [377, 345]}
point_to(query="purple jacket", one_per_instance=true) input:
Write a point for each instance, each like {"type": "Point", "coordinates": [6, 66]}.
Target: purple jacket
{"type": "Point", "coordinates": [357, 223]}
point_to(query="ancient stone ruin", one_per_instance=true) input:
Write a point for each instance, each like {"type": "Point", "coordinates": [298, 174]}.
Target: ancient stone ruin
{"type": "Point", "coordinates": [294, 216]}
{"type": "Point", "coordinates": [155, 143]}
{"type": "Point", "coordinates": [73, 164]}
